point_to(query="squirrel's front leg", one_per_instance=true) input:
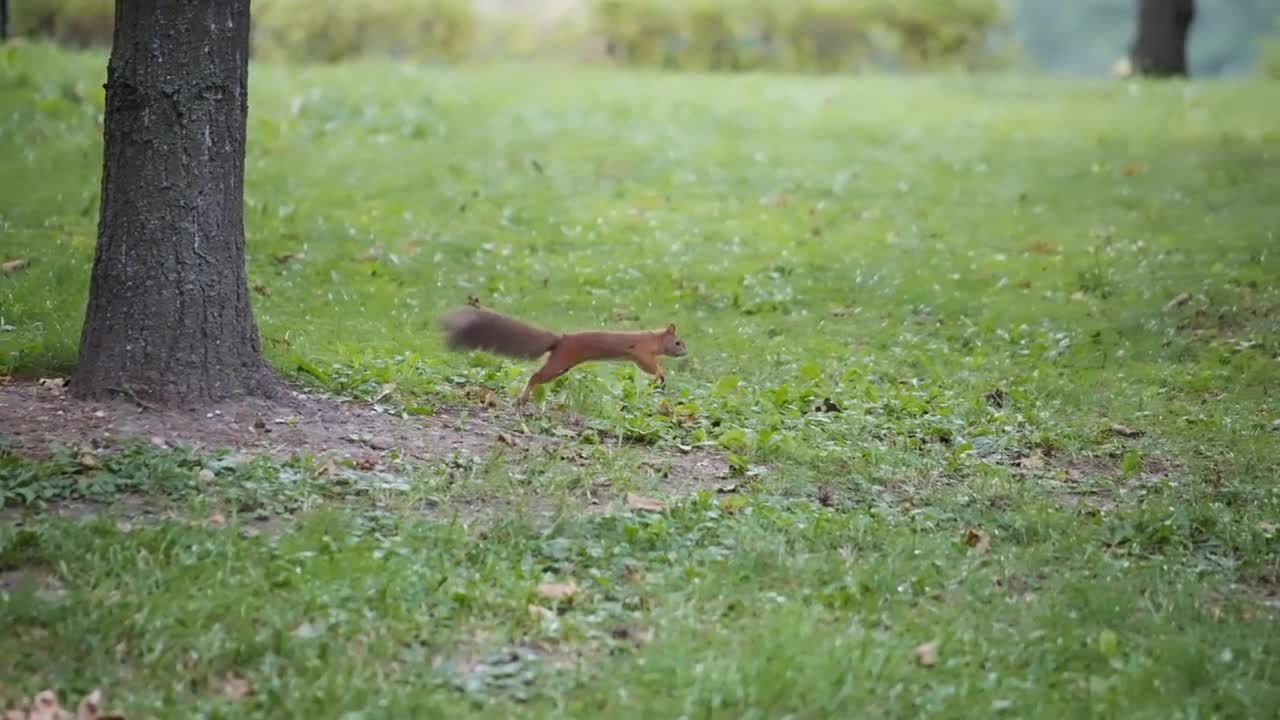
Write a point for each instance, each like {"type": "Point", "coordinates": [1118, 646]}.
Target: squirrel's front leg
{"type": "Point", "coordinates": [650, 365]}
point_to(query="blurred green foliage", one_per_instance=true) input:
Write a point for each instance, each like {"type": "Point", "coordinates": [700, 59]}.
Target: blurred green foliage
{"type": "Point", "coordinates": [1271, 55]}
{"type": "Point", "coordinates": [808, 35]}
{"type": "Point", "coordinates": [1080, 37]}
{"type": "Point", "coordinates": [303, 30]}
{"type": "Point", "coordinates": [815, 35]}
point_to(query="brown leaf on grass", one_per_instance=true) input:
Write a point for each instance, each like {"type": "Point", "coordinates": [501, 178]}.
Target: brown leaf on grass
{"type": "Point", "coordinates": [216, 520]}
{"type": "Point", "coordinates": [726, 489]}
{"type": "Point", "coordinates": [89, 706]}
{"type": "Point", "coordinates": [13, 266]}
{"type": "Point", "coordinates": [45, 706]}
{"type": "Point", "coordinates": [977, 540]}
{"type": "Point", "coordinates": [236, 686]}
{"type": "Point", "coordinates": [537, 612]}
{"type": "Point", "coordinates": [373, 253]}
{"type": "Point", "coordinates": [1042, 247]}
{"type": "Point", "coordinates": [1124, 431]}
{"type": "Point", "coordinates": [1178, 301]}
{"type": "Point", "coordinates": [88, 461]}
{"type": "Point", "coordinates": [1030, 462]}
{"type": "Point", "coordinates": [284, 258]}
{"type": "Point", "coordinates": [329, 469]}
{"type": "Point", "coordinates": [644, 504]}
{"type": "Point", "coordinates": [1078, 296]}
{"type": "Point", "coordinates": [825, 497]}
{"type": "Point", "coordinates": [927, 654]}
{"type": "Point", "coordinates": [1134, 168]}
{"type": "Point", "coordinates": [508, 440]}
{"type": "Point", "coordinates": [839, 311]}
{"type": "Point", "coordinates": [54, 385]}
{"type": "Point", "coordinates": [997, 397]}
{"type": "Point", "coordinates": [558, 591]}
{"type": "Point", "coordinates": [481, 395]}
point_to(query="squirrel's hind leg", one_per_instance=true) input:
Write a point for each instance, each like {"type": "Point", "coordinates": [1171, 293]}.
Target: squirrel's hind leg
{"type": "Point", "coordinates": [556, 365]}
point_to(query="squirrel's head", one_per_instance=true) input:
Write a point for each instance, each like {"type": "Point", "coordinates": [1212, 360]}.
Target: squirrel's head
{"type": "Point", "coordinates": [671, 344]}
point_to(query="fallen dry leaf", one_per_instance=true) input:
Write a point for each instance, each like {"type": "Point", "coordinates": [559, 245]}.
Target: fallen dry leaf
{"type": "Point", "coordinates": [286, 257]}
{"type": "Point", "coordinates": [1030, 462]}
{"type": "Point", "coordinates": [54, 384]}
{"type": "Point", "coordinates": [89, 705]}
{"type": "Point", "coordinates": [1178, 301]}
{"type": "Point", "coordinates": [372, 253]}
{"type": "Point", "coordinates": [977, 540]}
{"type": "Point", "coordinates": [236, 686]}
{"type": "Point", "coordinates": [13, 266]}
{"type": "Point", "coordinates": [537, 612]}
{"type": "Point", "coordinates": [216, 520]}
{"type": "Point", "coordinates": [726, 489]}
{"type": "Point", "coordinates": [329, 469]}
{"type": "Point", "coordinates": [88, 461]}
{"type": "Point", "coordinates": [558, 591]}
{"type": "Point", "coordinates": [1124, 431]}
{"type": "Point", "coordinates": [839, 311]}
{"type": "Point", "coordinates": [927, 654]}
{"type": "Point", "coordinates": [507, 439]}
{"type": "Point", "coordinates": [205, 476]}
{"type": "Point", "coordinates": [481, 395]}
{"type": "Point", "coordinates": [640, 502]}
{"type": "Point", "coordinates": [45, 706]}
{"type": "Point", "coordinates": [1078, 295]}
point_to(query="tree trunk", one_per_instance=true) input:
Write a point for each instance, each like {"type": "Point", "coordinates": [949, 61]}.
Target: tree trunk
{"type": "Point", "coordinates": [168, 317]}
{"type": "Point", "coordinates": [1160, 48]}
{"type": "Point", "coordinates": [4, 20]}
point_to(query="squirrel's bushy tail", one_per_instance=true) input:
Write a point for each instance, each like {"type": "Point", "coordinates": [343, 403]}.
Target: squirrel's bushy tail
{"type": "Point", "coordinates": [472, 328]}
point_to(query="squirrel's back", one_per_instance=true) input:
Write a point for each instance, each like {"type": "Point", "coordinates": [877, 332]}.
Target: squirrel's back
{"type": "Point", "coordinates": [473, 328]}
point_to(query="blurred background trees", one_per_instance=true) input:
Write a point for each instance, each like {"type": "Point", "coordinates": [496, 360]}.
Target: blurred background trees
{"type": "Point", "coordinates": [1080, 37]}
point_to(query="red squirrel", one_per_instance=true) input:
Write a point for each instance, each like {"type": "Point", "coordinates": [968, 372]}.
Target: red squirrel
{"type": "Point", "coordinates": [475, 328]}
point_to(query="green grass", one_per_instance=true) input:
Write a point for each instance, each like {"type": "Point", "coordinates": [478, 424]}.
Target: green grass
{"type": "Point", "coordinates": [969, 275]}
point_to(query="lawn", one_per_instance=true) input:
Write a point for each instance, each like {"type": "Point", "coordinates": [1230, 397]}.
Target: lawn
{"type": "Point", "coordinates": [993, 362]}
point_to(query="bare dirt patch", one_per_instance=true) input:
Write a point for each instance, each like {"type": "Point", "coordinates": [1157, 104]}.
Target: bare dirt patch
{"type": "Point", "coordinates": [35, 418]}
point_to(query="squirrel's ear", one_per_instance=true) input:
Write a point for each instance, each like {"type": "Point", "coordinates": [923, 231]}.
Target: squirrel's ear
{"type": "Point", "coordinates": [671, 329]}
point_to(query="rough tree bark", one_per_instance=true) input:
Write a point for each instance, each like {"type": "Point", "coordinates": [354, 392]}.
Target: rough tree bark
{"type": "Point", "coordinates": [168, 318]}
{"type": "Point", "coordinates": [4, 20]}
{"type": "Point", "coordinates": [1160, 46]}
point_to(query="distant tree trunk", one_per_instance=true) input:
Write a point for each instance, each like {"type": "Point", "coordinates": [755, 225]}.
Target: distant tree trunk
{"type": "Point", "coordinates": [1160, 47]}
{"type": "Point", "coordinates": [4, 20]}
{"type": "Point", "coordinates": [168, 317]}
